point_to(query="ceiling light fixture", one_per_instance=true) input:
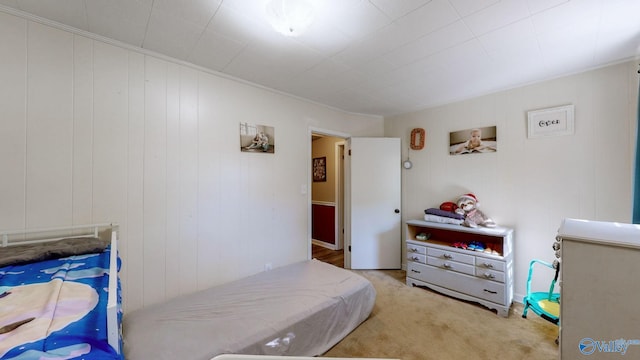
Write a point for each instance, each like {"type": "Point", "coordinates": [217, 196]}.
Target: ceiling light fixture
{"type": "Point", "coordinates": [289, 17]}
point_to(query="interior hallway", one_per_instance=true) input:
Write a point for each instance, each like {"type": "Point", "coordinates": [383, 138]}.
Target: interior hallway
{"type": "Point", "coordinates": [334, 257]}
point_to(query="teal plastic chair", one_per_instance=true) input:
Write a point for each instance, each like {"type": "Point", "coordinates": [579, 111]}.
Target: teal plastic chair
{"type": "Point", "coordinates": [544, 304]}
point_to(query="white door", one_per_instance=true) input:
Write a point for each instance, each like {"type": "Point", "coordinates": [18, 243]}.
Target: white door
{"type": "Point", "coordinates": [372, 196]}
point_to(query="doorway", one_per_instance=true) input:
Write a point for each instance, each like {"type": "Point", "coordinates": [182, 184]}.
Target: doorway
{"type": "Point", "coordinates": [327, 197]}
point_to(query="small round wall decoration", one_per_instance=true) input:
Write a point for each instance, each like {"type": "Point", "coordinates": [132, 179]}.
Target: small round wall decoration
{"type": "Point", "coordinates": [417, 139]}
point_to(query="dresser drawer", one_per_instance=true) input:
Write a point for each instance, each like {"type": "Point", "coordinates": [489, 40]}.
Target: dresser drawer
{"type": "Point", "coordinates": [488, 274]}
{"type": "Point", "coordinates": [488, 290]}
{"type": "Point", "coordinates": [490, 264]}
{"type": "Point", "coordinates": [417, 257]}
{"type": "Point", "coordinates": [466, 284]}
{"type": "Point", "coordinates": [416, 249]}
{"type": "Point", "coordinates": [451, 265]}
{"type": "Point", "coordinates": [451, 255]}
{"type": "Point", "coordinates": [419, 271]}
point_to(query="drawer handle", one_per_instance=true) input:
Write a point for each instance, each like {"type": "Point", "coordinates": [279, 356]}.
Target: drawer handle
{"type": "Point", "coordinates": [413, 250]}
{"type": "Point", "coordinates": [447, 256]}
{"type": "Point", "coordinates": [447, 266]}
{"type": "Point", "coordinates": [415, 271]}
{"type": "Point", "coordinates": [490, 292]}
{"type": "Point", "coordinates": [415, 258]}
{"type": "Point", "coordinates": [490, 266]}
{"type": "Point", "coordinates": [489, 276]}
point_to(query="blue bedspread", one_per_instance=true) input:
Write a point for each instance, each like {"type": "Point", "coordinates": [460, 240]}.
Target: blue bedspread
{"type": "Point", "coordinates": [57, 309]}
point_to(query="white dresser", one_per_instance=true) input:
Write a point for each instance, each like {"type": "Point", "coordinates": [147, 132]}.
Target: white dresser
{"type": "Point", "coordinates": [482, 277]}
{"type": "Point", "coordinates": [600, 290]}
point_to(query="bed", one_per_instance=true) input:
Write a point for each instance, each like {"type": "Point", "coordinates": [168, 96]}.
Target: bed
{"type": "Point", "coordinates": [267, 357]}
{"type": "Point", "coordinates": [302, 309]}
{"type": "Point", "coordinates": [60, 293]}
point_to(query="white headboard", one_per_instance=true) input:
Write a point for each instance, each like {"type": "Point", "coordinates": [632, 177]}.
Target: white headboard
{"type": "Point", "coordinates": [34, 236]}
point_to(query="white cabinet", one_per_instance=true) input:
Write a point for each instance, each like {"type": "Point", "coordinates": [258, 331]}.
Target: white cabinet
{"type": "Point", "coordinates": [442, 263]}
{"type": "Point", "coordinates": [600, 290]}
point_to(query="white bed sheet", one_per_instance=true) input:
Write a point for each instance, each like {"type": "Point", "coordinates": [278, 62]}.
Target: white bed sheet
{"type": "Point", "coordinates": [302, 309]}
{"type": "Point", "coordinates": [268, 357]}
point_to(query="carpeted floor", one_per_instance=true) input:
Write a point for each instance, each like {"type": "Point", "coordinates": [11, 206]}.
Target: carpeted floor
{"type": "Point", "coordinates": [415, 324]}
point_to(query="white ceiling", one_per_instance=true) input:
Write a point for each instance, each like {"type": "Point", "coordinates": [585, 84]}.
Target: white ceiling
{"type": "Point", "coordinates": [380, 57]}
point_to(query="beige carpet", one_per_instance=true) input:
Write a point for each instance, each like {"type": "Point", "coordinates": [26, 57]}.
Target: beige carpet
{"type": "Point", "coordinates": [411, 323]}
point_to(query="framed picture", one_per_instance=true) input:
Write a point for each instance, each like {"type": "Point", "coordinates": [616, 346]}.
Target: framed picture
{"type": "Point", "coordinates": [257, 138]}
{"type": "Point", "coordinates": [473, 141]}
{"type": "Point", "coordinates": [319, 169]}
{"type": "Point", "coordinates": [550, 122]}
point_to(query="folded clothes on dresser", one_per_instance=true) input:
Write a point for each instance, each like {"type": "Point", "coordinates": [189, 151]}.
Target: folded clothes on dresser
{"type": "Point", "coordinates": [443, 217]}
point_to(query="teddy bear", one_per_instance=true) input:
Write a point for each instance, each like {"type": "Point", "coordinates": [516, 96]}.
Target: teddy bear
{"type": "Point", "coordinates": [467, 205]}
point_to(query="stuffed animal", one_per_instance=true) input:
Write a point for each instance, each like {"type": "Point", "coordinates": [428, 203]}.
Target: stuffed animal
{"type": "Point", "coordinates": [468, 207]}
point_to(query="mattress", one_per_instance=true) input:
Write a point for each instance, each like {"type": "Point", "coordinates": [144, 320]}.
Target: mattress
{"type": "Point", "coordinates": [56, 308]}
{"type": "Point", "coordinates": [268, 357]}
{"type": "Point", "coordinates": [302, 309]}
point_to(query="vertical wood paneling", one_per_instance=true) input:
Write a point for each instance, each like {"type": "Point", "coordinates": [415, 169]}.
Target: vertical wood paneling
{"type": "Point", "coordinates": [13, 40]}
{"type": "Point", "coordinates": [610, 112]}
{"type": "Point", "coordinates": [188, 169]}
{"type": "Point", "coordinates": [49, 126]}
{"type": "Point", "coordinates": [110, 131]}
{"type": "Point", "coordinates": [133, 271]}
{"type": "Point", "coordinates": [110, 141]}
{"type": "Point", "coordinates": [209, 215]}
{"type": "Point", "coordinates": [173, 241]}
{"type": "Point", "coordinates": [231, 195]}
{"type": "Point", "coordinates": [82, 185]}
{"type": "Point", "coordinates": [155, 180]}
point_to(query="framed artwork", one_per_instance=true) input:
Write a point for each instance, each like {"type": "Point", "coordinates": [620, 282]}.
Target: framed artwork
{"type": "Point", "coordinates": [473, 141]}
{"type": "Point", "coordinates": [417, 139]}
{"type": "Point", "coordinates": [319, 169]}
{"type": "Point", "coordinates": [554, 121]}
{"type": "Point", "coordinates": [257, 138]}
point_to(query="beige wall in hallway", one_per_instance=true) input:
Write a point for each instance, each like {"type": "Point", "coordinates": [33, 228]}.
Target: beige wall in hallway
{"type": "Point", "coordinates": [325, 147]}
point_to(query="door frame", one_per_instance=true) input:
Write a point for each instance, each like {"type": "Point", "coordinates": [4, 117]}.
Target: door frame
{"type": "Point", "coordinates": [310, 132]}
{"type": "Point", "coordinates": [339, 191]}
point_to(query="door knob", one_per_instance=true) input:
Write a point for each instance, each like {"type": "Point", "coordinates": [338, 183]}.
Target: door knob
{"type": "Point", "coordinates": [397, 211]}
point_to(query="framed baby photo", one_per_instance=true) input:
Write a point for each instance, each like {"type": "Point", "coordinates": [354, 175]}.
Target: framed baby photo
{"type": "Point", "coordinates": [473, 141]}
{"type": "Point", "coordinates": [257, 138]}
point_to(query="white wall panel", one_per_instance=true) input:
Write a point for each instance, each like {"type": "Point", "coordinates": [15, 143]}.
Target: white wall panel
{"type": "Point", "coordinates": [188, 170]}
{"type": "Point", "coordinates": [607, 109]}
{"type": "Point", "coordinates": [110, 142]}
{"type": "Point", "coordinates": [110, 128]}
{"type": "Point", "coordinates": [155, 180]}
{"type": "Point", "coordinates": [49, 126]}
{"type": "Point", "coordinates": [133, 227]}
{"type": "Point", "coordinates": [13, 41]}
{"type": "Point", "coordinates": [211, 243]}
{"type": "Point", "coordinates": [173, 241]}
{"type": "Point", "coordinates": [83, 100]}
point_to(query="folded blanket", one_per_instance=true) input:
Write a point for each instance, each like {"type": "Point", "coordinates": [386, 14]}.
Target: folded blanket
{"type": "Point", "coordinates": [449, 214]}
{"type": "Point", "coordinates": [442, 219]}
{"type": "Point", "coordinates": [22, 254]}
